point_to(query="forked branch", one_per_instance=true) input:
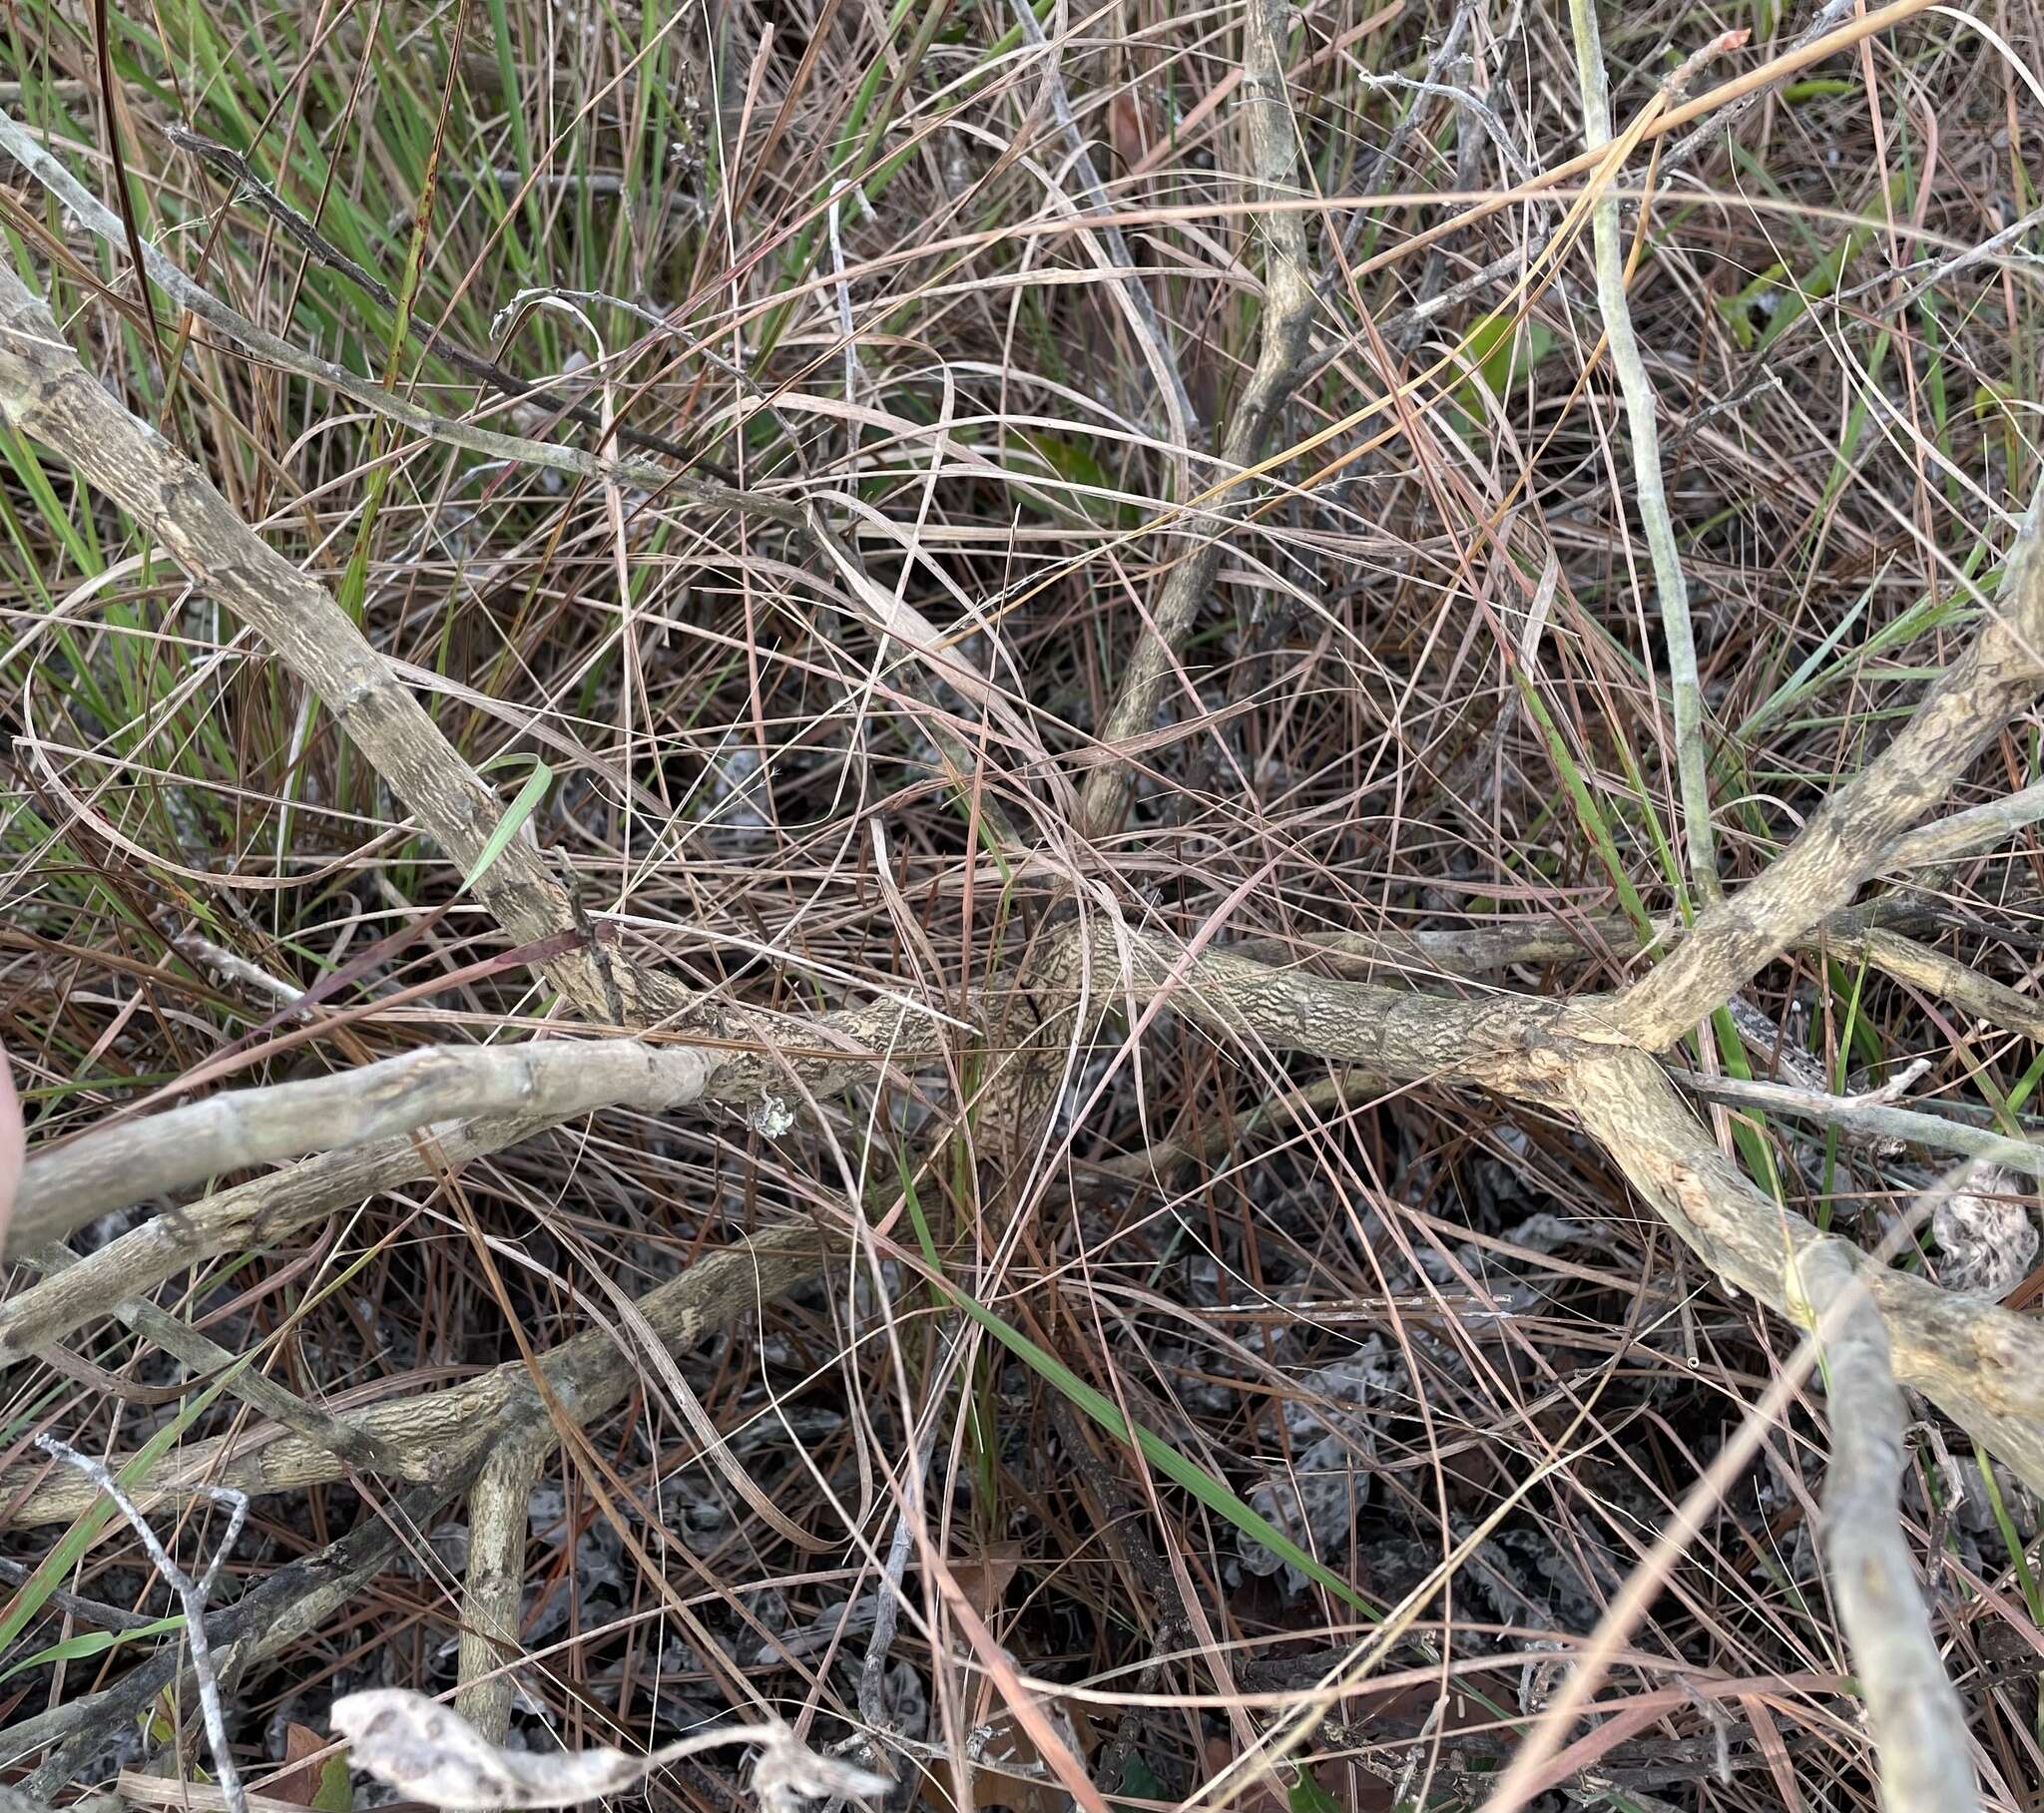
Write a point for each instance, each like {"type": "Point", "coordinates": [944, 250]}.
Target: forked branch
{"type": "Point", "coordinates": [1846, 843]}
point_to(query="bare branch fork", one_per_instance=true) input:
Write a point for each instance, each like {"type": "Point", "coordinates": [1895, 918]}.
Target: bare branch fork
{"type": "Point", "coordinates": [192, 1594]}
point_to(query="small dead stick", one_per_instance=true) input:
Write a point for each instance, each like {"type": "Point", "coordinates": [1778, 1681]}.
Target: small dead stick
{"type": "Point", "coordinates": [191, 1597]}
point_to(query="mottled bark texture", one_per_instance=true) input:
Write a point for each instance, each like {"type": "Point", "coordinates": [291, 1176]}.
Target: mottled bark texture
{"type": "Point", "coordinates": [237, 1130]}
{"type": "Point", "coordinates": [588, 1376]}
{"type": "Point", "coordinates": [493, 1587]}
{"type": "Point", "coordinates": [1847, 842]}
{"type": "Point", "coordinates": [1912, 1709]}
{"type": "Point", "coordinates": [49, 396]}
{"type": "Point", "coordinates": [1982, 1364]}
{"type": "Point", "coordinates": [1272, 140]}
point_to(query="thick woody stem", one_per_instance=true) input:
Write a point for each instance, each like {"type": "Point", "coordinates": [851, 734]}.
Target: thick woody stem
{"type": "Point", "coordinates": [1287, 321]}
{"type": "Point", "coordinates": [1919, 1724]}
{"type": "Point", "coordinates": [1847, 842]}
{"type": "Point", "coordinates": [587, 1375]}
{"type": "Point", "coordinates": [49, 396]}
{"type": "Point", "coordinates": [1981, 1364]}
{"type": "Point", "coordinates": [110, 1167]}
{"type": "Point", "coordinates": [499, 1510]}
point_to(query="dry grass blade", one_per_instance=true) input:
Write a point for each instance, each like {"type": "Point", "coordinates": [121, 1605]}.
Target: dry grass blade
{"type": "Point", "coordinates": [1288, 303]}
{"type": "Point", "coordinates": [431, 1755]}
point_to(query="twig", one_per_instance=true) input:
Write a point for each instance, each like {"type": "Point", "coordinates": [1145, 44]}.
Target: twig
{"type": "Point", "coordinates": [1979, 1363]}
{"type": "Point", "coordinates": [264, 1621]}
{"type": "Point", "coordinates": [1287, 323]}
{"type": "Point", "coordinates": [269, 1209]}
{"type": "Point", "coordinates": [1917, 1722]}
{"type": "Point", "coordinates": [1466, 100]}
{"type": "Point", "coordinates": [1686, 148]}
{"type": "Point", "coordinates": [237, 1374]}
{"type": "Point", "coordinates": [1968, 833]}
{"type": "Point", "coordinates": [872, 1673]}
{"type": "Point", "coordinates": [1686, 689]}
{"type": "Point", "coordinates": [1872, 1118]}
{"type": "Point", "coordinates": [192, 1595]}
{"type": "Point", "coordinates": [110, 1167]}
{"type": "Point", "coordinates": [1942, 271]}
{"type": "Point", "coordinates": [1408, 122]}
{"type": "Point", "coordinates": [1183, 418]}
{"type": "Point", "coordinates": [1846, 840]}
{"type": "Point", "coordinates": [587, 1374]}
{"type": "Point", "coordinates": [86, 1610]}
{"type": "Point", "coordinates": [46, 393]}
{"type": "Point", "coordinates": [263, 1213]}
{"type": "Point", "coordinates": [1907, 960]}
{"type": "Point", "coordinates": [493, 1589]}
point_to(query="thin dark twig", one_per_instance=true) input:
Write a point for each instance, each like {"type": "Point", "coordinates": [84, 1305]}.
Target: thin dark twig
{"type": "Point", "coordinates": [88, 1611]}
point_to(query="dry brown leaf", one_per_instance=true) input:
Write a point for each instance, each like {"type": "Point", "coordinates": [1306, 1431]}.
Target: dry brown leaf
{"type": "Point", "coordinates": [301, 1779]}
{"type": "Point", "coordinates": [985, 1581]}
{"type": "Point", "coordinates": [422, 1748]}
{"type": "Point", "coordinates": [298, 1781]}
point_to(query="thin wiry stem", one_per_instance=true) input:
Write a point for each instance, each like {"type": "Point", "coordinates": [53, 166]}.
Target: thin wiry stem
{"type": "Point", "coordinates": [191, 1597]}
{"type": "Point", "coordinates": [1872, 1119]}
{"type": "Point", "coordinates": [1157, 354]}
{"type": "Point", "coordinates": [1288, 323]}
{"type": "Point", "coordinates": [235, 1373]}
{"type": "Point", "coordinates": [1691, 757]}
{"type": "Point", "coordinates": [87, 208]}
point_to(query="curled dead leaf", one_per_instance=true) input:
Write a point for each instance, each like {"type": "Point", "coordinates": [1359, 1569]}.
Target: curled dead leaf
{"type": "Point", "coordinates": [1986, 1235]}
{"type": "Point", "coordinates": [431, 1753]}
